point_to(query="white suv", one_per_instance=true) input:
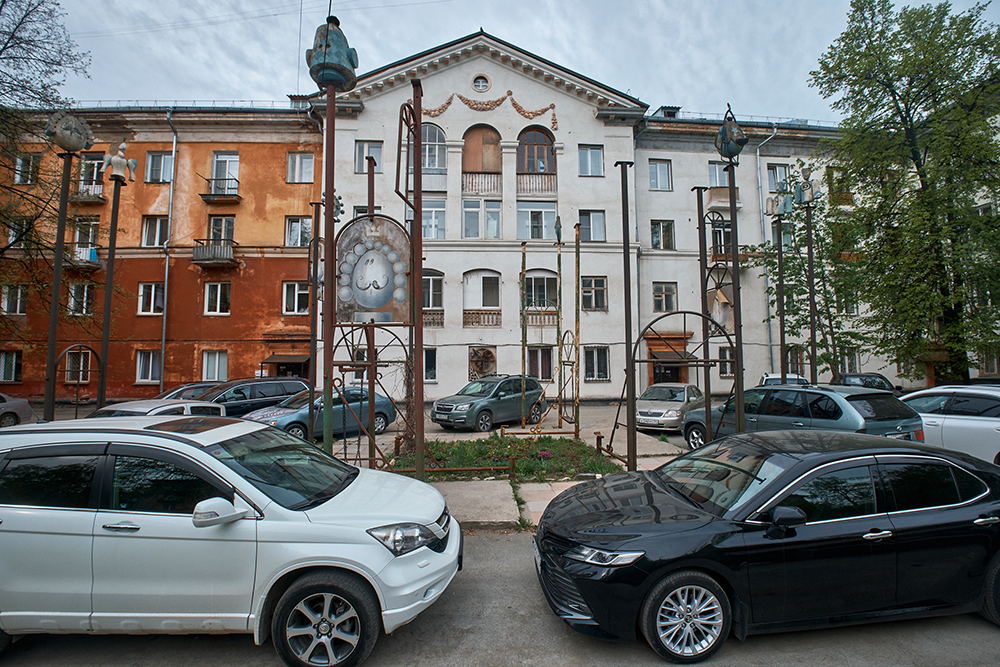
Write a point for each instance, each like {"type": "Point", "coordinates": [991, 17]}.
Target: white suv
{"type": "Point", "coordinates": [962, 418]}
{"type": "Point", "coordinates": [143, 525]}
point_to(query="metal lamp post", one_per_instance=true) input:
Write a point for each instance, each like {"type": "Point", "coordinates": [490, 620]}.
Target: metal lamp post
{"type": "Point", "coordinates": [777, 207]}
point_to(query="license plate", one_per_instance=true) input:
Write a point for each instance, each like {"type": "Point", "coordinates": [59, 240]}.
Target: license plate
{"type": "Point", "coordinates": [898, 436]}
{"type": "Point", "coordinates": [647, 421]}
{"type": "Point", "coordinates": [538, 556]}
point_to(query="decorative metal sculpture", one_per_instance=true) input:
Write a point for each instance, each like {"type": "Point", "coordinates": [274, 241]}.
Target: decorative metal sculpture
{"type": "Point", "coordinates": [119, 164]}
{"type": "Point", "coordinates": [805, 191]}
{"type": "Point", "coordinates": [731, 139]}
{"type": "Point", "coordinates": [69, 133]}
{"type": "Point", "coordinates": [331, 60]}
{"type": "Point", "coordinates": [780, 204]}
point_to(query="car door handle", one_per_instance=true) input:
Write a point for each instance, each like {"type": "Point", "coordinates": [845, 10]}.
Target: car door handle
{"type": "Point", "coordinates": [750, 419]}
{"type": "Point", "coordinates": [121, 527]}
{"type": "Point", "coordinates": [987, 520]}
{"type": "Point", "coordinates": [928, 422]}
{"type": "Point", "coordinates": [799, 424]}
{"type": "Point", "coordinates": [879, 535]}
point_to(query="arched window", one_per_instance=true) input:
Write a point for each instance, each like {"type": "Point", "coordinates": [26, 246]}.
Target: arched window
{"type": "Point", "coordinates": [535, 154]}
{"type": "Point", "coordinates": [435, 153]}
{"type": "Point", "coordinates": [541, 289]}
{"type": "Point", "coordinates": [481, 152]}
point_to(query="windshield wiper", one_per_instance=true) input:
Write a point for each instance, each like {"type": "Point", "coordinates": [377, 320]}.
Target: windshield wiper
{"type": "Point", "coordinates": [327, 493]}
{"type": "Point", "coordinates": [675, 487]}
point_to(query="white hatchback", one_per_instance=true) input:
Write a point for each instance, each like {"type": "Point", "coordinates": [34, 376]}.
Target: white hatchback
{"type": "Point", "coordinates": [142, 525]}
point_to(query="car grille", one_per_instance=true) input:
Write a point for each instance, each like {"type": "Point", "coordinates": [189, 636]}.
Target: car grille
{"type": "Point", "coordinates": [564, 592]}
{"type": "Point", "coordinates": [443, 522]}
{"type": "Point", "coordinates": [444, 407]}
{"type": "Point", "coordinates": [650, 413]}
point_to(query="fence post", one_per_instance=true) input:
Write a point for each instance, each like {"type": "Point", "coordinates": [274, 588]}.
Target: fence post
{"type": "Point", "coordinates": [600, 439]}
{"type": "Point", "coordinates": [510, 470]}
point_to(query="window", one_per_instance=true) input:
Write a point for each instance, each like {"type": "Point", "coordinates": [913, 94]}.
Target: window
{"type": "Point", "coordinates": [591, 160]}
{"type": "Point", "coordinates": [225, 173]}
{"type": "Point", "coordinates": [86, 231]}
{"type": "Point", "coordinates": [147, 485]}
{"type": "Point", "coordinates": [159, 167]}
{"type": "Point", "coordinates": [147, 366]}
{"type": "Point", "coordinates": [541, 290]}
{"type": "Point", "coordinates": [491, 291]}
{"type": "Point", "coordinates": [26, 166]}
{"type": "Point", "coordinates": [662, 234]}
{"type": "Point", "coordinates": [13, 300]}
{"type": "Point", "coordinates": [30, 481]}
{"type": "Point", "coordinates": [839, 494]}
{"type": "Point", "coordinates": [481, 150]}
{"type": "Point", "coordinates": [592, 225]}
{"type": "Point", "coordinates": [839, 187]}
{"type": "Point", "coordinates": [154, 231]}
{"type": "Point", "coordinates": [594, 293]}
{"type": "Point", "coordinates": [478, 216]}
{"type": "Point", "coordinates": [722, 237]}
{"type": "Point", "coordinates": [78, 366]}
{"type": "Point", "coordinates": [433, 227]}
{"type": "Point", "coordinates": [221, 229]}
{"type": "Point", "coordinates": [214, 365]}
{"type": "Point", "coordinates": [151, 298]}
{"type": "Point", "coordinates": [920, 485]}
{"type": "Point", "coordinates": [535, 154]}
{"type": "Point", "coordinates": [989, 359]}
{"type": "Point", "coordinates": [595, 364]}
{"type": "Point", "coordinates": [433, 289]}
{"type": "Point", "coordinates": [540, 363]}
{"type": "Point", "coordinates": [363, 210]}
{"type": "Point", "coordinates": [364, 150]}
{"type": "Point", "coordinates": [81, 298]}
{"type": "Point", "coordinates": [727, 368]}
{"type": "Point", "coordinates": [10, 366]}
{"type": "Point", "coordinates": [660, 176]}
{"type": "Point", "coordinates": [434, 152]}
{"type": "Point", "coordinates": [217, 298]}
{"type": "Point", "coordinates": [430, 364]}
{"type": "Point", "coordinates": [850, 360]}
{"type": "Point", "coordinates": [975, 406]}
{"type": "Point", "coordinates": [822, 406]}
{"type": "Point", "coordinates": [776, 173]}
{"type": "Point", "coordinates": [536, 220]}
{"type": "Point", "coordinates": [718, 177]}
{"type": "Point", "coordinates": [847, 304]}
{"type": "Point", "coordinates": [664, 297]}
{"type": "Point", "coordinates": [300, 168]}
{"type": "Point", "coordinates": [786, 403]}
{"type": "Point", "coordinates": [17, 229]}
{"type": "Point", "coordinates": [795, 356]}
{"type": "Point", "coordinates": [788, 233]}
{"type": "Point", "coordinates": [91, 175]}
{"type": "Point", "coordinates": [481, 84]}
{"type": "Point", "coordinates": [298, 231]}
{"type": "Point", "coordinates": [296, 301]}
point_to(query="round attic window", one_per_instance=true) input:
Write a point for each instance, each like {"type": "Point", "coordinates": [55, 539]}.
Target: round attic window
{"type": "Point", "coordinates": [481, 84]}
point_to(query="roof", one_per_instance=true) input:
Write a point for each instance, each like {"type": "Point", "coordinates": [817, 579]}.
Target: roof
{"type": "Point", "coordinates": [199, 431]}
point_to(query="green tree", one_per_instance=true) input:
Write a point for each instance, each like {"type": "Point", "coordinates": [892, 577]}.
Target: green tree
{"type": "Point", "coordinates": [919, 90]}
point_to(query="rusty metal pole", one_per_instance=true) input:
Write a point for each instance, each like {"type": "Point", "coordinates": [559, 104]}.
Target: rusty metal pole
{"type": "Point", "coordinates": [330, 268]}
{"type": "Point", "coordinates": [629, 356]}
{"type": "Point", "coordinates": [576, 343]}
{"type": "Point", "coordinates": [418, 278]}
{"type": "Point", "coordinates": [781, 300]}
{"type": "Point", "coordinates": [372, 369]}
{"type": "Point", "coordinates": [703, 266]}
{"type": "Point", "coordinates": [559, 300]}
{"type": "Point", "coordinates": [49, 408]}
{"type": "Point", "coordinates": [522, 283]}
{"type": "Point", "coordinates": [109, 289]}
{"type": "Point", "coordinates": [813, 371]}
{"type": "Point", "coordinates": [313, 300]}
{"type": "Point", "coordinates": [737, 308]}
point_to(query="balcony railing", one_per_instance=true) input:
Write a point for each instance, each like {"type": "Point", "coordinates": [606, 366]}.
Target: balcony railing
{"type": "Point", "coordinates": [82, 255]}
{"type": "Point", "coordinates": [88, 191]}
{"type": "Point", "coordinates": [482, 183]}
{"type": "Point", "coordinates": [433, 318]}
{"type": "Point", "coordinates": [723, 254]}
{"type": "Point", "coordinates": [214, 252]}
{"type": "Point", "coordinates": [542, 318]}
{"type": "Point", "coordinates": [222, 190]}
{"type": "Point", "coordinates": [481, 318]}
{"type": "Point", "coordinates": [536, 184]}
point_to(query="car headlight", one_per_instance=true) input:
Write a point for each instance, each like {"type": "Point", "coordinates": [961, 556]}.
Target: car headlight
{"type": "Point", "coordinates": [271, 422]}
{"type": "Point", "coordinates": [603, 558]}
{"type": "Point", "coordinates": [672, 414]}
{"type": "Point", "coordinates": [402, 538]}
{"type": "Point", "coordinates": [463, 407]}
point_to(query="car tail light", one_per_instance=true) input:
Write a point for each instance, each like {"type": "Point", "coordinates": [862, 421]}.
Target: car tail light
{"type": "Point", "coordinates": [918, 435]}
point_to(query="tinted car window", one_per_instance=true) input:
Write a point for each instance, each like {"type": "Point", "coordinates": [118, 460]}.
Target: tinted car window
{"type": "Point", "coordinates": [478, 388]}
{"type": "Point", "coordinates": [293, 387]}
{"type": "Point", "coordinates": [147, 485]}
{"type": "Point", "coordinates": [785, 403]}
{"type": "Point", "coordinates": [879, 407]}
{"type": "Point", "coordinates": [822, 406]}
{"type": "Point", "coordinates": [975, 406]}
{"type": "Point", "coordinates": [752, 401]}
{"type": "Point", "coordinates": [269, 390]}
{"type": "Point", "coordinates": [918, 485]}
{"type": "Point", "coordinates": [929, 404]}
{"type": "Point", "coordinates": [835, 495]}
{"type": "Point", "coordinates": [205, 410]}
{"type": "Point", "coordinates": [237, 393]}
{"type": "Point", "coordinates": [171, 411]}
{"type": "Point", "coordinates": [50, 481]}
{"type": "Point", "coordinates": [969, 486]}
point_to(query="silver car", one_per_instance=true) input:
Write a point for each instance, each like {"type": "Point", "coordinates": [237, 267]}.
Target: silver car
{"type": "Point", "coordinates": [159, 407]}
{"type": "Point", "coordinates": [663, 405]}
{"type": "Point", "coordinates": [14, 411]}
{"type": "Point", "coordinates": [960, 418]}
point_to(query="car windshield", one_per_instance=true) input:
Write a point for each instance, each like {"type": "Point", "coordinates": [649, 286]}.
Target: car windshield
{"type": "Point", "coordinates": [724, 475]}
{"type": "Point", "coordinates": [871, 382]}
{"type": "Point", "coordinates": [111, 412]}
{"type": "Point", "coordinates": [477, 388]}
{"type": "Point", "coordinates": [299, 400]}
{"type": "Point", "coordinates": [663, 394]}
{"type": "Point", "coordinates": [881, 407]}
{"type": "Point", "coordinates": [292, 473]}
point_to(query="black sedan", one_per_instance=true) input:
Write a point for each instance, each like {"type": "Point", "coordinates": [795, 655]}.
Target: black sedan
{"type": "Point", "coordinates": [764, 532]}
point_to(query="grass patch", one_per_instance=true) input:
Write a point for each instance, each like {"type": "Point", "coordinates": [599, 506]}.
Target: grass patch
{"type": "Point", "coordinates": [540, 458]}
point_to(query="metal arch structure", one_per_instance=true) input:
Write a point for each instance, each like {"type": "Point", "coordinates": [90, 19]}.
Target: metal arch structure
{"type": "Point", "coordinates": [56, 369]}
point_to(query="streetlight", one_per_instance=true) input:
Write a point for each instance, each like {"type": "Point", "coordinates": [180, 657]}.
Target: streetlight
{"type": "Point", "coordinates": [777, 207]}
{"type": "Point", "coordinates": [729, 142]}
{"type": "Point", "coordinates": [805, 194]}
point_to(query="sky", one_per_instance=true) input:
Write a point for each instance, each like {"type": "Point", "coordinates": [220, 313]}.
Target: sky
{"type": "Point", "coordinates": [697, 54]}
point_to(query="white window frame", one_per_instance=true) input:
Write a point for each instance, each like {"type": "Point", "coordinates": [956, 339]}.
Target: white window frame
{"type": "Point", "coordinates": [26, 168]}
{"type": "Point", "coordinates": [13, 300]}
{"type": "Point", "coordinates": [592, 363]}
{"type": "Point", "coordinates": [661, 297]}
{"type": "Point", "coordinates": [850, 360]}
{"type": "Point", "coordinates": [147, 367]}
{"type": "Point", "coordinates": [537, 354]}
{"type": "Point", "coordinates": [221, 228]}
{"type": "Point", "coordinates": [91, 174]}
{"type": "Point", "coordinates": [727, 367]}
{"type": "Point", "coordinates": [536, 221]}
{"type": "Point", "coordinates": [215, 365]}
{"type": "Point", "coordinates": [295, 298]}
{"type": "Point", "coordinates": [81, 299]}
{"type": "Point", "coordinates": [300, 167]}
{"type": "Point", "coordinates": [775, 174]}
{"type": "Point", "coordinates": [298, 231]}
{"type": "Point", "coordinates": [363, 149]}
{"type": "Point", "coordinates": [718, 177]}
{"type": "Point", "coordinates": [541, 281]}
{"type": "Point", "coordinates": [149, 295]}
{"type": "Point", "coordinates": [592, 226]}
{"type": "Point", "coordinates": [591, 160]}
{"type": "Point", "coordinates": [594, 289]}
{"type": "Point", "coordinates": [499, 300]}
{"type": "Point", "coordinates": [77, 367]}
{"type": "Point", "coordinates": [433, 292]}
{"type": "Point", "coordinates": [434, 158]}
{"type": "Point", "coordinates": [10, 365]}
{"type": "Point", "coordinates": [433, 226]}
{"type": "Point", "coordinates": [213, 298]}
{"type": "Point", "coordinates": [430, 364]}
{"type": "Point", "coordinates": [17, 227]}
{"type": "Point", "coordinates": [363, 210]}
{"type": "Point", "coordinates": [225, 168]}
{"type": "Point", "coordinates": [661, 175]}
{"type": "Point", "coordinates": [157, 226]}
{"type": "Point", "coordinates": [159, 166]}
{"type": "Point", "coordinates": [659, 231]}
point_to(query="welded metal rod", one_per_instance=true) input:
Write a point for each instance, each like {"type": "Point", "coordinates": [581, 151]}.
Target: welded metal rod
{"type": "Point", "coordinates": [109, 290]}
{"type": "Point", "coordinates": [49, 407]}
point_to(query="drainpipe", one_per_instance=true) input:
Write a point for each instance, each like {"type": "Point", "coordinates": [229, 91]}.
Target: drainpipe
{"type": "Point", "coordinates": [166, 250]}
{"type": "Point", "coordinates": [763, 237]}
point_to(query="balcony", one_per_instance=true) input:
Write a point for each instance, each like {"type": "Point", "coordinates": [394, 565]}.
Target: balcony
{"type": "Point", "coordinates": [722, 254]}
{"type": "Point", "coordinates": [214, 252]}
{"type": "Point", "coordinates": [82, 256]}
{"type": "Point", "coordinates": [222, 190]}
{"type": "Point", "coordinates": [475, 183]}
{"type": "Point", "coordinates": [481, 318]}
{"type": "Point", "coordinates": [718, 199]}
{"type": "Point", "coordinates": [433, 318]}
{"type": "Point", "coordinates": [536, 184]}
{"type": "Point", "coordinates": [87, 192]}
{"type": "Point", "coordinates": [542, 318]}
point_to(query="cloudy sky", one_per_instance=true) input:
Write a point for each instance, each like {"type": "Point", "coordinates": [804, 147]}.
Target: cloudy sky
{"type": "Point", "coordinates": [696, 54]}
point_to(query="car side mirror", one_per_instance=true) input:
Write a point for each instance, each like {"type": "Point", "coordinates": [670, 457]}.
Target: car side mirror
{"type": "Point", "coordinates": [784, 520]}
{"type": "Point", "coordinates": [215, 511]}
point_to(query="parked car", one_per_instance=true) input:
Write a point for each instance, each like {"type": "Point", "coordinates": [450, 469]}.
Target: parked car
{"type": "Point", "coordinates": [243, 396]}
{"type": "Point", "coordinates": [960, 418]}
{"type": "Point", "coordinates": [490, 400]}
{"type": "Point", "coordinates": [213, 524]}
{"type": "Point", "coordinates": [188, 389]}
{"type": "Point", "coordinates": [663, 405]}
{"type": "Point", "coordinates": [811, 407]}
{"type": "Point", "coordinates": [159, 406]}
{"type": "Point", "coordinates": [763, 532]}
{"type": "Point", "coordinates": [292, 414]}
{"type": "Point", "coordinates": [869, 380]}
{"type": "Point", "coordinates": [14, 411]}
{"type": "Point", "coordinates": [775, 378]}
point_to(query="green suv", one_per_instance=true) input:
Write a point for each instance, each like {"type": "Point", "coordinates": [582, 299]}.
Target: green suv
{"type": "Point", "coordinates": [490, 400]}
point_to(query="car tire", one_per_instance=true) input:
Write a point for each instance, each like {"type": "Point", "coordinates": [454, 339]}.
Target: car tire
{"type": "Point", "coordinates": [9, 419]}
{"type": "Point", "coordinates": [484, 421]}
{"type": "Point", "coordinates": [298, 430]}
{"type": "Point", "coordinates": [326, 619]}
{"type": "Point", "coordinates": [686, 617]}
{"type": "Point", "coordinates": [695, 436]}
{"type": "Point", "coordinates": [381, 423]}
{"type": "Point", "coordinates": [535, 415]}
{"type": "Point", "coordinates": [991, 592]}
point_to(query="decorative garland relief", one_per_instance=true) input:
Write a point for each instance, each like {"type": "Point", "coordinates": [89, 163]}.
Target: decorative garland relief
{"type": "Point", "coordinates": [491, 105]}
